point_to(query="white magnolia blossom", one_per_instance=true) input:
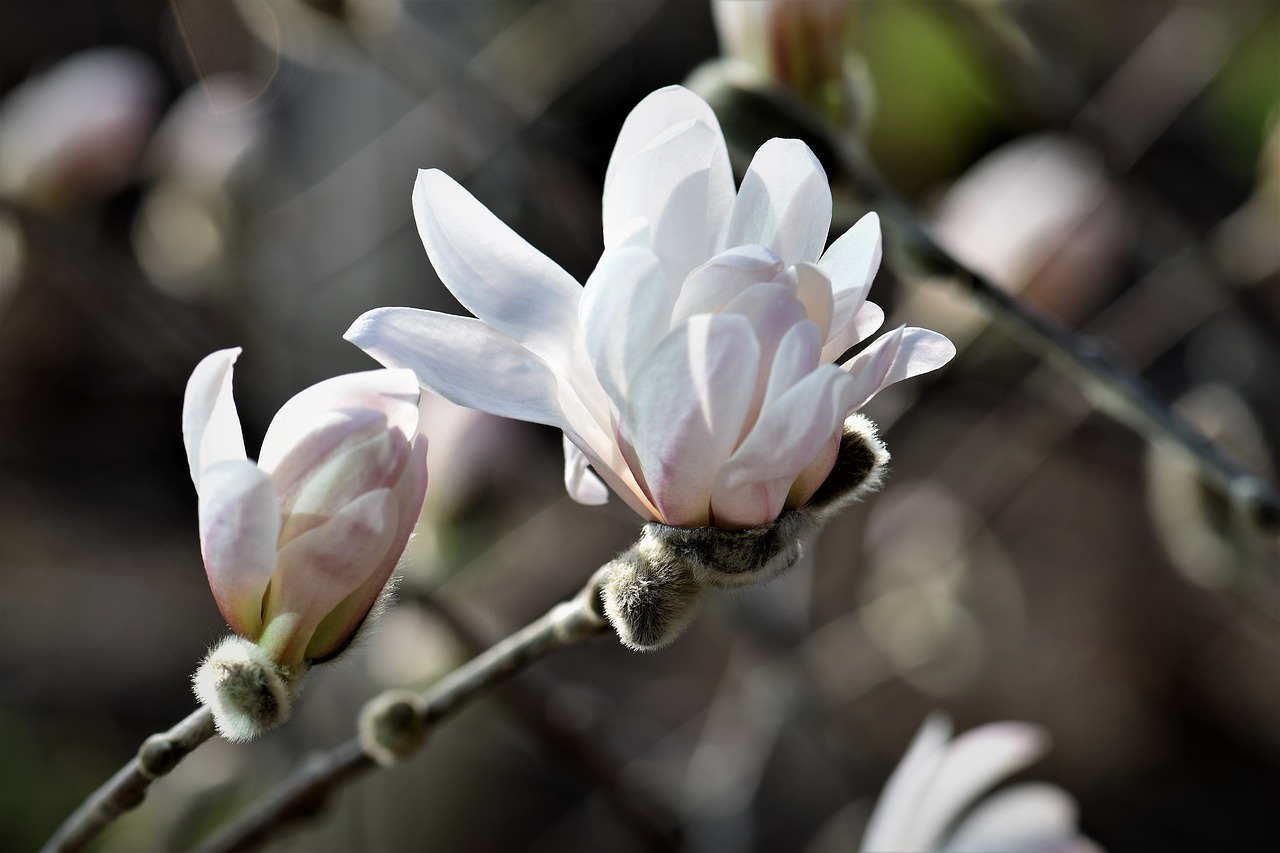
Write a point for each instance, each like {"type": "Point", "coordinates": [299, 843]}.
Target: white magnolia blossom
{"type": "Point", "coordinates": [299, 545]}
{"type": "Point", "coordinates": [923, 806]}
{"type": "Point", "coordinates": [694, 372]}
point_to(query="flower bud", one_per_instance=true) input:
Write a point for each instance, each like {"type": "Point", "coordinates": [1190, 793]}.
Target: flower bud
{"type": "Point", "coordinates": [650, 593]}
{"type": "Point", "coordinates": [299, 546]}
{"type": "Point", "coordinates": [392, 726]}
{"type": "Point", "coordinates": [247, 692]}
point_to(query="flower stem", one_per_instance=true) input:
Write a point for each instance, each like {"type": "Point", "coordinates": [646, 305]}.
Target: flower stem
{"type": "Point", "coordinates": [124, 791]}
{"type": "Point", "coordinates": [304, 793]}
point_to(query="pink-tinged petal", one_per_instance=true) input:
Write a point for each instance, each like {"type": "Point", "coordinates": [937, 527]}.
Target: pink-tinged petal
{"type": "Point", "coordinates": [711, 286]}
{"type": "Point", "coordinates": [1031, 818]}
{"type": "Point", "coordinates": [210, 424]}
{"type": "Point", "coordinates": [582, 485]}
{"type": "Point", "coordinates": [772, 309]}
{"type": "Point", "coordinates": [315, 417]}
{"type": "Point", "coordinates": [796, 358]}
{"type": "Point", "coordinates": [853, 258]}
{"type": "Point", "coordinates": [626, 310]}
{"type": "Point", "coordinates": [464, 361]}
{"type": "Point", "coordinates": [344, 619]}
{"type": "Point", "coordinates": [239, 527]}
{"type": "Point", "coordinates": [686, 410]}
{"type": "Point", "coordinates": [892, 819]}
{"type": "Point", "coordinates": [853, 322]}
{"type": "Point", "coordinates": [784, 203]}
{"type": "Point", "coordinates": [656, 114]}
{"type": "Point", "coordinates": [895, 356]}
{"type": "Point", "coordinates": [798, 425]}
{"type": "Point", "coordinates": [492, 271]}
{"type": "Point", "coordinates": [973, 763]}
{"type": "Point", "coordinates": [813, 289]}
{"type": "Point", "coordinates": [668, 184]}
{"type": "Point", "coordinates": [809, 480]}
{"type": "Point", "coordinates": [318, 570]}
{"type": "Point", "coordinates": [375, 462]}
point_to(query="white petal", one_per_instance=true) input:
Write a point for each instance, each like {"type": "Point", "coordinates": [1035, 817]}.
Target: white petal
{"type": "Point", "coordinates": [626, 310]}
{"type": "Point", "coordinates": [316, 571]}
{"type": "Point", "coordinates": [711, 286]}
{"type": "Point", "coordinates": [791, 431]}
{"type": "Point", "coordinates": [896, 355]}
{"type": "Point", "coordinates": [1031, 818]}
{"type": "Point", "coordinates": [813, 289]}
{"type": "Point", "coordinates": [239, 527]}
{"type": "Point", "coordinates": [974, 762]}
{"type": "Point", "coordinates": [656, 114]}
{"type": "Point", "coordinates": [582, 485]}
{"type": "Point", "coordinates": [796, 358]}
{"type": "Point", "coordinates": [686, 410]}
{"type": "Point", "coordinates": [464, 361]}
{"type": "Point", "coordinates": [669, 184]}
{"type": "Point", "coordinates": [892, 819]}
{"type": "Point", "coordinates": [390, 393]}
{"type": "Point", "coordinates": [210, 424]}
{"type": "Point", "coordinates": [852, 260]}
{"type": "Point", "coordinates": [492, 271]}
{"type": "Point", "coordinates": [784, 203]}
{"type": "Point", "coordinates": [854, 321]}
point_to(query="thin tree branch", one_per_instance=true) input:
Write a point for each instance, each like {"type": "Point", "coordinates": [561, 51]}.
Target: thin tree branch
{"type": "Point", "coordinates": [124, 791]}
{"type": "Point", "coordinates": [750, 117]}
{"type": "Point", "coordinates": [305, 793]}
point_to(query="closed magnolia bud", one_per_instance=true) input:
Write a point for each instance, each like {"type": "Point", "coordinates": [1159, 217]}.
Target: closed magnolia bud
{"type": "Point", "coordinates": [299, 545]}
{"type": "Point", "coordinates": [650, 594]}
{"type": "Point", "coordinates": [392, 726]}
{"type": "Point", "coordinates": [247, 692]}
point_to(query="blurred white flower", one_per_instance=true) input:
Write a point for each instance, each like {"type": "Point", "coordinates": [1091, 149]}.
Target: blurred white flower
{"type": "Point", "coordinates": [299, 545]}
{"type": "Point", "coordinates": [78, 129]}
{"type": "Point", "coordinates": [694, 372]}
{"type": "Point", "coordinates": [928, 803]}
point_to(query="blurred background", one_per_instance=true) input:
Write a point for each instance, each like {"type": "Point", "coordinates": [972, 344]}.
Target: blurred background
{"type": "Point", "coordinates": [181, 176]}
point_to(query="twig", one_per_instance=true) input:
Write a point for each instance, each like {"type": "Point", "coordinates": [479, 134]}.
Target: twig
{"type": "Point", "coordinates": [304, 794]}
{"type": "Point", "coordinates": [750, 117]}
{"type": "Point", "coordinates": [124, 791]}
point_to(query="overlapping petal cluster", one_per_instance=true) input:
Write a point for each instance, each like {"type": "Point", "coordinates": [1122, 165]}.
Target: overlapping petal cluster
{"type": "Point", "coordinates": [928, 803]}
{"type": "Point", "coordinates": [299, 545]}
{"type": "Point", "coordinates": [695, 370]}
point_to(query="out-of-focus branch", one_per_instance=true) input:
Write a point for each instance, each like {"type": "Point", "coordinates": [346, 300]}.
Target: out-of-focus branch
{"type": "Point", "coordinates": [751, 116]}
{"type": "Point", "coordinates": [124, 791]}
{"type": "Point", "coordinates": [304, 794]}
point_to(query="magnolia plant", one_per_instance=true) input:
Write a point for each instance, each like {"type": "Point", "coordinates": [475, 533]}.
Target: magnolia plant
{"type": "Point", "coordinates": [299, 545]}
{"type": "Point", "coordinates": [928, 803]}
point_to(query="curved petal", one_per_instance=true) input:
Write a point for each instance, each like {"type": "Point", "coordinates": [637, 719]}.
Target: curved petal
{"type": "Point", "coordinates": [773, 309]}
{"type": "Point", "coordinates": [239, 527]}
{"type": "Point", "coordinates": [669, 184]}
{"type": "Point", "coordinates": [582, 485]}
{"type": "Point", "coordinates": [793, 429]}
{"type": "Point", "coordinates": [210, 424]}
{"type": "Point", "coordinates": [346, 618]}
{"type": "Point", "coordinates": [656, 114]}
{"type": "Point", "coordinates": [973, 762]}
{"type": "Point", "coordinates": [318, 570]}
{"type": "Point", "coordinates": [312, 419]}
{"type": "Point", "coordinates": [492, 271]}
{"type": "Point", "coordinates": [852, 260]}
{"type": "Point", "coordinates": [853, 322]}
{"type": "Point", "coordinates": [464, 361]}
{"type": "Point", "coordinates": [686, 410]}
{"type": "Point", "coordinates": [1024, 818]}
{"type": "Point", "coordinates": [626, 310]}
{"type": "Point", "coordinates": [896, 355]}
{"type": "Point", "coordinates": [813, 289]}
{"type": "Point", "coordinates": [891, 820]}
{"type": "Point", "coordinates": [784, 203]}
{"type": "Point", "coordinates": [711, 286]}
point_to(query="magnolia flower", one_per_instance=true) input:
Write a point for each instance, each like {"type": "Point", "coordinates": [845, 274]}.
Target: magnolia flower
{"type": "Point", "coordinates": [940, 778]}
{"type": "Point", "coordinates": [298, 546]}
{"type": "Point", "coordinates": [694, 372]}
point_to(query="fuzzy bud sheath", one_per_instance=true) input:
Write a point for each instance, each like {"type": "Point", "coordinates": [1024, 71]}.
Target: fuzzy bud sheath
{"type": "Point", "coordinates": [392, 726]}
{"type": "Point", "coordinates": [245, 690]}
{"type": "Point", "coordinates": [652, 590]}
